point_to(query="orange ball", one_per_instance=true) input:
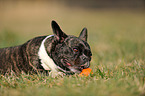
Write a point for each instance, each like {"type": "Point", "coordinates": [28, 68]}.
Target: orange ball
{"type": "Point", "coordinates": [86, 72]}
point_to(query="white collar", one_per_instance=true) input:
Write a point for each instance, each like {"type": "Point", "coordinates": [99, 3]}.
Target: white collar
{"type": "Point", "coordinates": [46, 61]}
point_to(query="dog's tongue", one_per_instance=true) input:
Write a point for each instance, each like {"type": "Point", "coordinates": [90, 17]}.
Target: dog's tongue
{"type": "Point", "coordinates": [68, 64]}
{"type": "Point", "coordinates": [86, 72]}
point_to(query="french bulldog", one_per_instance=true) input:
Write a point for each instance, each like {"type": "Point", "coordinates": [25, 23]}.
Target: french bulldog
{"type": "Point", "coordinates": [58, 54]}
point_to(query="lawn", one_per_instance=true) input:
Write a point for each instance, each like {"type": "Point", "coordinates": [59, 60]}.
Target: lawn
{"type": "Point", "coordinates": [117, 40]}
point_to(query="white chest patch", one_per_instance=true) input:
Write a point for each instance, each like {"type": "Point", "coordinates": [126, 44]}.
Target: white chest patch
{"type": "Point", "coordinates": [46, 61]}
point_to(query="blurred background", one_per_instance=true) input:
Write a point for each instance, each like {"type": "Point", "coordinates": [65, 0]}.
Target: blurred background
{"type": "Point", "coordinates": [113, 25]}
{"type": "Point", "coordinates": [24, 19]}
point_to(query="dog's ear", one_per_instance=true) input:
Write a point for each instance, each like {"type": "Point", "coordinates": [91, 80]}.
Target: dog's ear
{"type": "Point", "coordinates": [84, 34]}
{"type": "Point", "coordinates": [58, 33]}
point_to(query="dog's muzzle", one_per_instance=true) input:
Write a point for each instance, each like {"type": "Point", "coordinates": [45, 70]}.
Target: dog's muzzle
{"type": "Point", "coordinates": [86, 65]}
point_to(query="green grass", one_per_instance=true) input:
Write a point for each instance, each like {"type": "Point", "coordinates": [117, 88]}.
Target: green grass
{"type": "Point", "coordinates": [117, 40]}
{"type": "Point", "coordinates": [119, 80]}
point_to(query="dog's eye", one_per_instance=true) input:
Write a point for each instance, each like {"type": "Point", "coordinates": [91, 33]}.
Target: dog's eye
{"type": "Point", "coordinates": [75, 50]}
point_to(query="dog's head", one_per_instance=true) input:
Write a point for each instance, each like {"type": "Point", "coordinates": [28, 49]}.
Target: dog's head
{"type": "Point", "coordinates": [72, 54]}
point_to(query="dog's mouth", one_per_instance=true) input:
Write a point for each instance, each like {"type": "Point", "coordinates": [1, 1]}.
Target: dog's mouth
{"type": "Point", "coordinates": [75, 68]}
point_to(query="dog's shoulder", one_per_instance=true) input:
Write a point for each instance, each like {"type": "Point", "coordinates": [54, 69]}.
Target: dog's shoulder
{"type": "Point", "coordinates": [36, 40]}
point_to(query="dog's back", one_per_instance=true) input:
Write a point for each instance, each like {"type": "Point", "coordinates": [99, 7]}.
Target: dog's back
{"type": "Point", "coordinates": [20, 58]}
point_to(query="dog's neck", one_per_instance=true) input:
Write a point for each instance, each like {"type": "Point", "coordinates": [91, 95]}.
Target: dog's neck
{"type": "Point", "coordinates": [46, 62]}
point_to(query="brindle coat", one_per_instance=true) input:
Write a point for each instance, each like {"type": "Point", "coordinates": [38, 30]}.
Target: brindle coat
{"type": "Point", "coordinates": [22, 58]}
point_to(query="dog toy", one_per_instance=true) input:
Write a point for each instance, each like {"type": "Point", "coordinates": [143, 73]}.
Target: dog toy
{"type": "Point", "coordinates": [86, 72]}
